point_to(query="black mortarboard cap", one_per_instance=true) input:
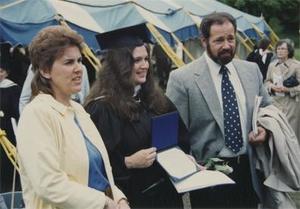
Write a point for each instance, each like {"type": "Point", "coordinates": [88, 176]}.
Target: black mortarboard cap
{"type": "Point", "coordinates": [5, 58]}
{"type": "Point", "coordinates": [4, 65]}
{"type": "Point", "coordinates": [126, 37]}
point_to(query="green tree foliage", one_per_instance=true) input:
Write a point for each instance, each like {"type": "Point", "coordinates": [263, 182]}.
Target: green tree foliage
{"type": "Point", "coordinates": [282, 15]}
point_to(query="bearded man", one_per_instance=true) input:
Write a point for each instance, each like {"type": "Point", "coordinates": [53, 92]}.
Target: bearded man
{"type": "Point", "coordinates": [215, 97]}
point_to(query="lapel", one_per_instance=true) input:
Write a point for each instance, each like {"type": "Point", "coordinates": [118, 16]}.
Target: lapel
{"type": "Point", "coordinates": [246, 82]}
{"type": "Point", "coordinates": [91, 132]}
{"type": "Point", "coordinates": [93, 135]}
{"type": "Point", "coordinates": [205, 84]}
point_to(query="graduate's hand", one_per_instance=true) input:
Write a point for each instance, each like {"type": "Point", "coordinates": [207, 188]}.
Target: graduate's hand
{"type": "Point", "coordinates": [141, 159]}
{"type": "Point", "coordinates": [258, 138]}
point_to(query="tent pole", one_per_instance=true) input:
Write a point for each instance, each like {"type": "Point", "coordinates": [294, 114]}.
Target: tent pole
{"type": "Point", "coordinates": [183, 47]}
{"type": "Point", "coordinates": [9, 149]}
{"type": "Point", "coordinates": [244, 42]}
{"type": "Point", "coordinates": [165, 46]}
{"type": "Point", "coordinates": [273, 36]}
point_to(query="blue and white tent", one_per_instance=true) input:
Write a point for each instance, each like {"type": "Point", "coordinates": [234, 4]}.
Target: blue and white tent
{"type": "Point", "coordinates": [246, 23]}
{"type": "Point", "coordinates": [20, 20]}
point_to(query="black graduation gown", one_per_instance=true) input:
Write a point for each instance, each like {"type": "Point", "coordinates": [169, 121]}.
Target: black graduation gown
{"type": "Point", "coordinates": [123, 138]}
{"type": "Point", "coordinates": [9, 105]}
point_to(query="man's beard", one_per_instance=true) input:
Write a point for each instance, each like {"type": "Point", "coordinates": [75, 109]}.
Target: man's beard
{"type": "Point", "coordinates": [223, 57]}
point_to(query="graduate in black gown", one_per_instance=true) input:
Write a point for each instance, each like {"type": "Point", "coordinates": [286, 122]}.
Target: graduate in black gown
{"type": "Point", "coordinates": [262, 56]}
{"type": "Point", "coordinates": [121, 103]}
{"type": "Point", "coordinates": [9, 102]}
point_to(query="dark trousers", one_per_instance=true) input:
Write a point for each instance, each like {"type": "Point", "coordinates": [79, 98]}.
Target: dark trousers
{"type": "Point", "coordinates": [239, 195]}
{"type": "Point", "coordinates": [6, 174]}
{"type": "Point", "coordinates": [162, 196]}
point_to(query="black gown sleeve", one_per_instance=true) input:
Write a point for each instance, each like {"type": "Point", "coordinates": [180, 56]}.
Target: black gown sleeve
{"type": "Point", "coordinates": [109, 125]}
{"type": "Point", "coordinates": [15, 96]}
{"type": "Point", "coordinates": [9, 105]}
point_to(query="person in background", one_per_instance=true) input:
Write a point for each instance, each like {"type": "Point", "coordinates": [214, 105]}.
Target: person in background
{"type": "Point", "coordinates": [215, 97]}
{"type": "Point", "coordinates": [262, 56]}
{"type": "Point", "coordinates": [121, 103]}
{"type": "Point", "coordinates": [26, 89]}
{"type": "Point", "coordinates": [9, 99]}
{"type": "Point", "coordinates": [20, 62]}
{"type": "Point", "coordinates": [63, 160]}
{"type": "Point", "coordinates": [283, 83]}
{"type": "Point", "coordinates": [163, 65]}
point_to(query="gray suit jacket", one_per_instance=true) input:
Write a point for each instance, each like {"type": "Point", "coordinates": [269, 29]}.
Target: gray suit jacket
{"type": "Point", "coordinates": [192, 90]}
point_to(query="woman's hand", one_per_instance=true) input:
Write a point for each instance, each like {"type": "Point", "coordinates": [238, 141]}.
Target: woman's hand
{"type": "Point", "coordinates": [110, 204]}
{"type": "Point", "coordinates": [284, 89]}
{"type": "Point", "coordinates": [141, 159]}
{"type": "Point", "coordinates": [276, 89]}
{"type": "Point", "coordinates": [123, 204]}
{"type": "Point", "coordinates": [279, 89]}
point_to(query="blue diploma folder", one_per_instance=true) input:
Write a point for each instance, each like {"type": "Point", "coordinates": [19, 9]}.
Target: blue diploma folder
{"type": "Point", "coordinates": [169, 155]}
{"type": "Point", "coordinates": [184, 173]}
{"type": "Point", "coordinates": [165, 130]}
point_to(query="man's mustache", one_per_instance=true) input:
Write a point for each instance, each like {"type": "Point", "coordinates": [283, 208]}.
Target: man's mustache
{"type": "Point", "coordinates": [225, 51]}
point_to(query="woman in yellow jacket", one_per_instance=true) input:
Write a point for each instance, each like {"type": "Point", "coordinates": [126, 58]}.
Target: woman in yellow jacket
{"type": "Point", "coordinates": [63, 161]}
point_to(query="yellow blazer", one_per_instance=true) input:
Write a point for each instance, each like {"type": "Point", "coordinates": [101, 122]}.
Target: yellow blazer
{"type": "Point", "coordinates": [54, 164]}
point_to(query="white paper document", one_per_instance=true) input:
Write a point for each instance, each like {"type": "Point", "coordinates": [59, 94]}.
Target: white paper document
{"type": "Point", "coordinates": [257, 103]}
{"type": "Point", "coordinates": [176, 163]}
{"type": "Point", "coordinates": [185, 174]}
{"type": "Point", "coordinates": [200, 180]}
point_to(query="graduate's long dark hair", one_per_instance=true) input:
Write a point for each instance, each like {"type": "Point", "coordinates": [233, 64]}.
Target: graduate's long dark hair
{"type": "Point", "coordinates": [115, 86]}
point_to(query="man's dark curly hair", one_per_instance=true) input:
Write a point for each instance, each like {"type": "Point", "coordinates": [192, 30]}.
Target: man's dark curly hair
{"type": "Point", "coordinates": [215, 18]}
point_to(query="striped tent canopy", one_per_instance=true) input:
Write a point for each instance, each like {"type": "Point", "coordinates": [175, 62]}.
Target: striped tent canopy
{"type": "Point", "coordinates": [20, 20]}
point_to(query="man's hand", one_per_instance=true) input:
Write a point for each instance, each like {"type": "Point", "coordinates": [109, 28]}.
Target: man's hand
{"type": "Point", "coordinates": [194, 161]}
{"type": "Point", "coordinates": [141, 159]}
{"type": "Point", "coordinates": [258, 138]}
